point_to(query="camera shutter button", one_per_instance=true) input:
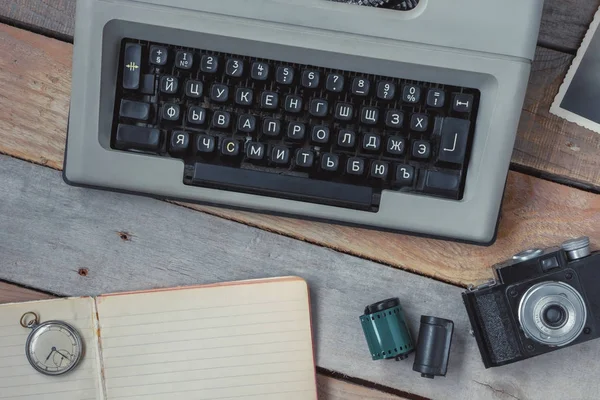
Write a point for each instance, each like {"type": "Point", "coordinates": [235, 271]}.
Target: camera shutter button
{"type": "Point", "coordinates": [577, 248]}
{"type": "Point", "coordinates": [527, 254]}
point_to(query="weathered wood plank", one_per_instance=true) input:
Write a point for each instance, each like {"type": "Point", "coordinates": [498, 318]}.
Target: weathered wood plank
{"type": "Point", "coordinates": [15, 294]}
{"type": "Point", "coordinates": [36, 81]}
{"type": "Point", "coordinates": [54, 17]}
{"type": "Point", "coordinates": [50, 231]}
{"type": "Point", "coordinates": [329, 388]}
{"type": "Point", "coordinates": [564, 23]}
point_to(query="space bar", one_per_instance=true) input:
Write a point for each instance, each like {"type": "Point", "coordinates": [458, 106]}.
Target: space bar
{"type": "Point", "coordinates": [290, 187]}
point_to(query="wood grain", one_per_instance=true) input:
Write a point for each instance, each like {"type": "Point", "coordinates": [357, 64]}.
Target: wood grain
{"type": "Point", "coordinates": [328, 388]}
{"type": "Point", "coordinates": [166, 245]}
{"type": "Point", "coordinates": [15, 294]}
{"type": "Point", "coordinates": [36, 82]}
{"type": "Point", "coordinates": [53, 17]}
{"type": "Point", "coordinates": [564, 22]}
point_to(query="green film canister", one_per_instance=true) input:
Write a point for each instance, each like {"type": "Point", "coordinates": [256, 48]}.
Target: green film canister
{"type": "Point", "coordinates": [386, 331]}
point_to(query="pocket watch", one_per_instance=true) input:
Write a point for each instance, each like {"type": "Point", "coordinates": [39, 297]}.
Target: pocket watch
{"type": "Point", "coordinates": [53, 347]}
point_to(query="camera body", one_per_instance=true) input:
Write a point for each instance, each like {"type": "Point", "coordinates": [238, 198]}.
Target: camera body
{"type": "Point", "coordinates": [540, 301]}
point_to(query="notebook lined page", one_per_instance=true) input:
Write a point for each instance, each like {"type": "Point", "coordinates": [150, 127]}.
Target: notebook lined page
{"type": "Point", "coordinates": [18, 379]}
{"type": "Point", "coordinates": [243, 341]}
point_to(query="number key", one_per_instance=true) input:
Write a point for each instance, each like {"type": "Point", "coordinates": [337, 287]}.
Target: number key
{"type": "Point", "coordinates": [284, 75]}
{"type": "Point", "coordinates": [386, 90]}
{"type": "Point", "coordinates": [234, 68]}
{"type": "Point", "coordinates": [335, 83]}
{"type": "Point", "coordinates": [209, 64]}
{"type": "Point", "coordinates": [184, 59]}
{"type": "Point", "coordinates": [260, 71]}
{"type": "Point", "coordinates": [311, 78]}
{"type": "Point", "coordinates": [411, 94]}
{"type": "Point", "coordinates": [360, 86]}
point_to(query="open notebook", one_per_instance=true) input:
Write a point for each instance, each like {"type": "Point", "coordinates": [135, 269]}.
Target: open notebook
{"type": "Point", "coordinates": [242, 340]}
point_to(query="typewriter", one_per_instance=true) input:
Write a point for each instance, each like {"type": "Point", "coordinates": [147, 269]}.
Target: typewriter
{"type": "Point", "coordinates": [399, 120]}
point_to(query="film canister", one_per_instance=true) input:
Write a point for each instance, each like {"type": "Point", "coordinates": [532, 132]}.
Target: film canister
{"type": "Point", "coordinates": [386, 331]}
{"type": "Point", "coordinates": [433, 347]}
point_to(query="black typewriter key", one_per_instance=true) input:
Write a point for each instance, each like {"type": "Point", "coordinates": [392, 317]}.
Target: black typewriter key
{"type": "Point", "coordinates": [132, 66]}
{"type": "Point", "coordinates": [219, 93]}
{"type": "Point", "coordinates": [193, 89]}
{"type": "Point", "coordinates": [170, 112]}
{"type": "Point", "coordinates": [169, 84]}
{"type": "Point", "coordinates": [419, 122]}
{"type": "Point", "coordinates": [421, 149]}
{"type": "Point", "coordinates": [305, 158]}
{"type": "Point", "coordinates": [280, 155]}
{"type": "Point", "coordinates": [394, 119]}
{"type": "Point", "coordinates": [436, 98]}
{"type": "Point", "coordinates": [318, 107]}
{"type": "Point", "coordinates": [221, 119]}
{"type": "Point", "coordinates": [405, 175]}
{"type": "Point", "coordinates": [184, 59]}
{"type": "Point", "coordinates": [360, 86]}
{"type": "Point", "coordinates": [246, 123]}
{"type": "Point", "coordinates": [344, 111]}
{"type": "Point", "coordinates": [330, 162]}
{"type": "Point", "coordinates": [134, 110]}
{"type": "Point", "coordinates": [234, 68]}
{"type": "Point", "coordinates": [369, 115]}
{"type": "Point", "coordinates": [180, 142]}
{"type": "Point", "coordinates": [159, 55]}
{"type": "Point", "coordinates": [196, 115]}
{"type": "Point", "coordinates": [443, 183]}
{"type": "Point", "coordinates": [411, 94]}
{"type": "Point", "coordinates": [255, 151]}
{"type": "Point", "coordinates": [462, 103]}
{"type": "Point", "coordinates": [335, 83]}
{"type": "Point", "coordinates": [131, 137]}
{"type": "Point", "coordinates": [284, 75]}
{"type": "Point", "coordinates": [269, 100]}
{"type": "Point", "coordinates": [244, 96]}
{"type": "Point", "coordinates": [296, 131]}
{"type": "Point", "coordinates": [147, 84]}
{"type": "Point", "coordinates": [346, 138]}
{"type": "Point", "coordinates": [454, 140]}
{"type": "Point", "coordinates": [371, 142]}
{"type": "Point", "coordinates": [230, 147]}
{"type": "Point", "coordinates": [396, 146]}
{"type": "Point", "coordinates": [355, 166]}
{"type": "Point", "coordinates": [320, 134]}
{"type": "Point", "coordinates": [209, 64]}
{"type": "Point", "coordinates": [271, 127]}
{"type": "Point", "coordinates": [205, 144]}
{"type": "Point", "coordinates": [259, 71]}
{"type": "Point", "coordinates": [293, 103]}
{"type": "Point", "coordinates": [379, 170]}
{"type": "Point", "coordinates": [311, 78]}
{"type": "Point", "coordinates": [386, 90]}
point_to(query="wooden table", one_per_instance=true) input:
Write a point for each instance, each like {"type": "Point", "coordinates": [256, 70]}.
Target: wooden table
{"type": "Point", "coordinates": [67, 241]}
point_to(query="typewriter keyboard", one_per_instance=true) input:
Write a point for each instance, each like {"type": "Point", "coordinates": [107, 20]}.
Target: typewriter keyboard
{"type": "Point", "coordinates": [293, 131]}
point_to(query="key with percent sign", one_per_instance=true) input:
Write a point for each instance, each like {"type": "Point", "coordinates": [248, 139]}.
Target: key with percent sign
{"type": "Point", "coordinates": [411, 94]}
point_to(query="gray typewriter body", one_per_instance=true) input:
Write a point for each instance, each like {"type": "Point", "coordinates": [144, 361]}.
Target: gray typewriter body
{"type": "Point", "coordinates": [487, 45]}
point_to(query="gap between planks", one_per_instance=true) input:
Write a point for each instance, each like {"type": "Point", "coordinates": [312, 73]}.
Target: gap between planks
{"type": "Point", "coordinates": [36, 89]}
{"type": "Point", "coordinates": [328, 388]}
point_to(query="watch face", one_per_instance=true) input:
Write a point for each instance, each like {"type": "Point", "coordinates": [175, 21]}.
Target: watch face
{"type": "Point", "coordinates": [54, 348]}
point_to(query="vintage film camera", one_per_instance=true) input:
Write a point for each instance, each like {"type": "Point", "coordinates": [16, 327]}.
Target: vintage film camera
{"type": "Point", "coordinates": [541, 301]}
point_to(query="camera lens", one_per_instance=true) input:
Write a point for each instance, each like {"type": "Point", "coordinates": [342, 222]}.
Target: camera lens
{"type": "Point", "coordinates": [552, 313]}
{"type": "Point", "coordinates": [554, 316]}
